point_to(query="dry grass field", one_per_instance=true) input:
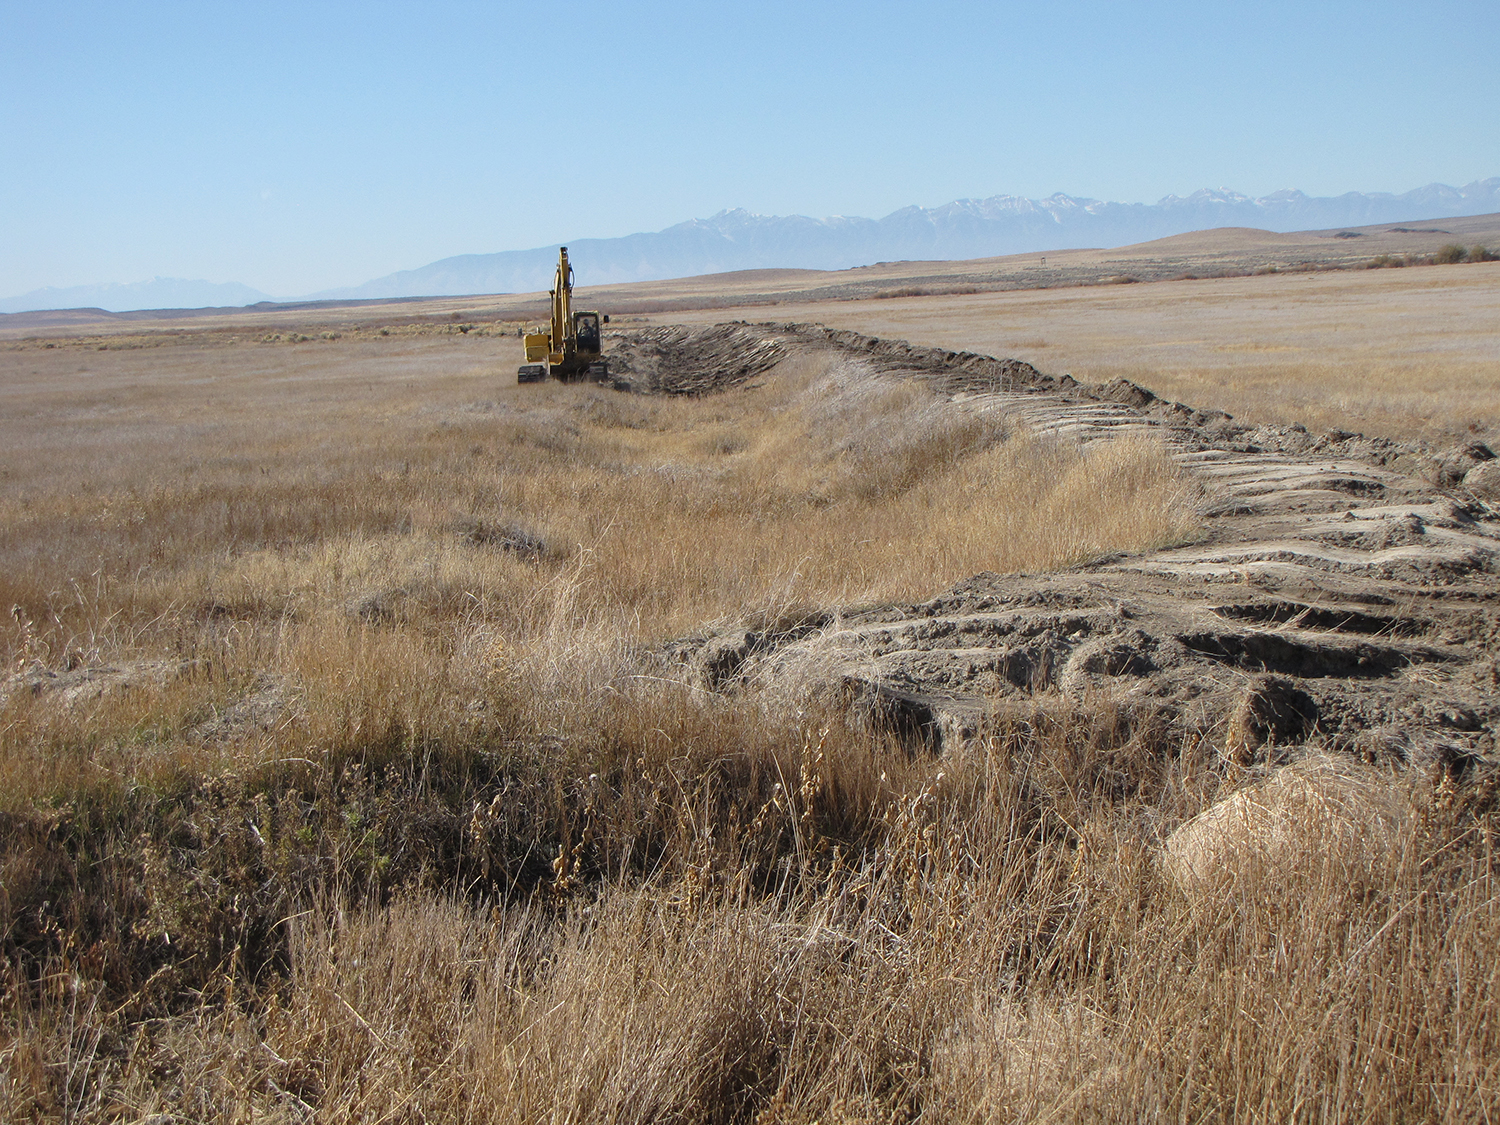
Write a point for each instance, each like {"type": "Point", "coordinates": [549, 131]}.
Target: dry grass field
{"type": "Point", "coordinates": [1271, 327]}
{"type": "Point", "coordinates": [1399, 353]}
{"type": "Point", "coordinates": [342, 777]}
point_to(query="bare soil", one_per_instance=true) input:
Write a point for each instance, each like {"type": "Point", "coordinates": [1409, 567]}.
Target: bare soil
{"type": "Point", "coordinates": [676, 360]}
{"type": "Point", "coordinates": [1343, 593]}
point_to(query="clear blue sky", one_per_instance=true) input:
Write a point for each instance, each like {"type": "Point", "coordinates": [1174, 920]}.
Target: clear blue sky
{"type": "Point", "coordinates": [296, 147]}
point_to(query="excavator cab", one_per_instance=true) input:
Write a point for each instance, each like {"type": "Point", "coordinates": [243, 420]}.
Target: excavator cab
{"type": "Point", "coordinates": [586, 327]}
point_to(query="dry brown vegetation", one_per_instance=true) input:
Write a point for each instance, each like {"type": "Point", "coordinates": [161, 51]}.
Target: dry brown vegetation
{"type": "Point", "coordinates": [339, 779]}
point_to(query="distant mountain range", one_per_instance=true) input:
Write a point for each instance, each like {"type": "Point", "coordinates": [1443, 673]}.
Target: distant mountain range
{"type": "Point", "coordinates": [968, 228]}
{"type": "Point", "coordinates": [739, 240]}
{"type": "Point", "coordinates": [158, 293]}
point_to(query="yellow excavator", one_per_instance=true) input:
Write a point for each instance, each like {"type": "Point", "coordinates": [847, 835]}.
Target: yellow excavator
{"type": "Point", "coordinates": [571, 345]}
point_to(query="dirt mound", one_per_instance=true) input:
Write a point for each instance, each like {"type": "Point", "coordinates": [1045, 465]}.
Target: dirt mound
{"type": "Point", "coordinates": [271, 702]}
{"type": "Point", "coordinates": [91, 684]}
{"type": "Point", "coordinates": [951, 372]}
{"type": "Point", "coordinates": [1216, 664]}
{"type": "Point", "coordinates": [678, 360]}
{"type": "Point", "coordinates": [1344, 594]}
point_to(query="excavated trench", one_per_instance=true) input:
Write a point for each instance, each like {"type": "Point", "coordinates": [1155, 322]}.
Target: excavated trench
{"type": "Point", "coordinates": [1345, 593]}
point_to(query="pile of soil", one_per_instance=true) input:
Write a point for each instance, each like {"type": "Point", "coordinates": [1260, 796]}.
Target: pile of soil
{"type": "Point", "coordinates": [682, 361]}
{"type": "Point", "coordinates": [1344, 596]}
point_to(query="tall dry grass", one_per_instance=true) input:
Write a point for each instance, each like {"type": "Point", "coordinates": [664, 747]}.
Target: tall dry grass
{"type": "Point", "coordinates": [348, 794]}
{"type": "Point", "coordinates": [1006, 945]}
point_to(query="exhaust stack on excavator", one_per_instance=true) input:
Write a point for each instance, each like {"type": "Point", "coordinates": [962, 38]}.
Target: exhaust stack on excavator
{"type": "Point", "coordinates": [572, 344]}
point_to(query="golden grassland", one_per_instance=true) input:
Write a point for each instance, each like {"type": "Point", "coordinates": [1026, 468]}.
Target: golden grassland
{"type": "Point", "coordinates": [302, 480]}
{"type": "Point", "coordinates": [1409, 352]}
{"type": "Point", "coordinates": [358, 794]}
{"type": "Point", "coordinates": [537, 527]}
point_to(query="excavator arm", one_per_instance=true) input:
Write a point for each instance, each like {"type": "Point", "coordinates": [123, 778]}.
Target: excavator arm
{"type": "Point", "coordinates": [562, 305]}
{"type": "Point", "coordinates": [572, 344]}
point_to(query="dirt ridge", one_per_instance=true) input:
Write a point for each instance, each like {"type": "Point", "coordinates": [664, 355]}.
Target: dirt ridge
{"type": "Point", "coordinates": [1344, 594]}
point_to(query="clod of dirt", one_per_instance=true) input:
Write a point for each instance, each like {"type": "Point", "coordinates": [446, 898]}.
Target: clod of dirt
{"type": "Point", "coordinates": [1094, 664]}
{"type": "Point", "coordinates": [1483, 480]}
{"type": "Point", "coordinates": [1453, 467]}
{"type": "Point", "coordinates": [1126, 392]}
{"type": "Point", "coordinates": [269, 704]}
{"type": "Point", "coordinates": [1272, 712]}
{"type": "Point", "coordinates": [1403, 532]}
{"type": "Point", "coordinates": [376, 607]}
{"type": "Point", "coordinates": [502, 536]}
{"type": "Point", "coordinates": [723, 656]}
{"type": "Point", "coordinates": [715, 658]}
{"type": "Point", "coordinates": [888, 710]}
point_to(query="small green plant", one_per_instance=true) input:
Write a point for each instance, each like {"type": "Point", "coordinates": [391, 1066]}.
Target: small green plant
{"type": "Point", "coordinates": [1482, 254]}
{"type": "Point", "coordinates": [1450, 254]}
